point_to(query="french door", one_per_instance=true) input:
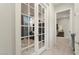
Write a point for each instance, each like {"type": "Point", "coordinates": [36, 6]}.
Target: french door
{"type": "Point", "coordinates": [30, 28]}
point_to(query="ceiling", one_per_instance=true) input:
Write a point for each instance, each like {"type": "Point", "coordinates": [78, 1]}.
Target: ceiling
{"type": "Point", "coordinates": [57, 4]}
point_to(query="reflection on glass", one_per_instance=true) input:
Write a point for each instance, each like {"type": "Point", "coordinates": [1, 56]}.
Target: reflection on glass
{"type": "Point", "coordinates": [43, 37]}
{"type": "Point", "coordinates": [24, 42]}
{"type": "Point", "coordinates": [31, 31]}
{"type": "Point", "coordinates": [24, 20]}
{"type": "Point", "coordinates": [40, 12]}
{"type": "Point", "coordinates": [43, 25]}
{"type": "Point", "coordinates": [39, 30]}
{"type": "Point", "coordinates": [43, 12]}
{"type": "Point", "coordinates": [43, 31]}
{"type": "Point", "coordinates": [31, 40]}
{"type": "Point", "coordinates": [32, 12]}
{"type": "Point", "coordinates": [40, 25]}
{"type": "Point", "coordinates": [42, 43]}
{"type": "Point", "coordinates": [25, 52]}
{"type": "Point", "coordinates": [27, 20]}
{"type": "Point", "coordinates": [39, 37]}
{"type": "Point", "coordinates": [24, 31]}
{"type": "Point", "coordinates": [31, 4]}
{"type": "Point", "coordinates": [39, 8]}
{"type": "Point", "coordinates": [24, 8]}
{"type": "Point", "coordinates": [31, 21]}
{"type": "Point", "coordinates": [31, 49]}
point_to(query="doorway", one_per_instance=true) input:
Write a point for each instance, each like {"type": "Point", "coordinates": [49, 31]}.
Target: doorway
{"type": "Point", "coordinates": [63, 25]}
{"type": "Point", "coordinates": [63, 29]}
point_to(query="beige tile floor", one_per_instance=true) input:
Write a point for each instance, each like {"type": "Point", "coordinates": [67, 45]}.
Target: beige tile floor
{"type": "Point", "coordinates": [61, 47]}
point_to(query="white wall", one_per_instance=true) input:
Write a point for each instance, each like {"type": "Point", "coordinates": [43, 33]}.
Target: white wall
{"type": "Point", "coordinates": [76, 27]}
{"type": "Point", "coordinates": [51, 26]}
{"type": "Point", "coordinates": [7, 28]}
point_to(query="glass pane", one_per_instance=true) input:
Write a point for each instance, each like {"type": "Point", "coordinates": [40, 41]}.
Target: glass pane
{"type": "Point", "coordinates": [31, 49]}
{"type": "Point", "coordinates": [31, 40]}
{"type": "Point", "coordinates": [43, 24]}
{"type": "Point", "coordinates": [43, 43]}
{"type": "Point", "coordinates": [24, 42]}
{"type": "Point", "coordinates": [43, 37]}
{"type": "Point", "coordinates": [24, 8]}
{"type": "Point", "coordinates": [40, 44]}
{"type": "Point", "coordinates": [31, 31]}
{"type": "Point", "coordinates": [43, 30]}
{"type": "Point", "coordinates": [43, 12]}
{"type": "Point", "coordinates": [31, 4]}
{"type": "Point", "coordinates": [40, 12]}
{"type": "Point", "coordinates": [32, 12]}
{"type": "Point", "coordinates": [24, 52]}
{"type": "Point", "coordinates": [43, 40]}
{"type": "Point", "coordinates": [40, 8]}
{"type": "Point", "coordinates": [40, 25]}
{"type": "Point", "coordinates": [39, 30]}
{"type": "Point", "coordinates": [31, 22]}
{"type": "Point", "coordinates": [24, 20]}
{"type": "Point", "coordinates": [24, 31]}
{"type": "Point", "coordinates": [39, 37]}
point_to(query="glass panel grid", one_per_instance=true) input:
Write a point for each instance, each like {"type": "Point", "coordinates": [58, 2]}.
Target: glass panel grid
{"type": "Point", "coordinates": [30, 28]}
{"type": "Point", "coordinates": [27, 28]}
{"type": "Point", "coordinates": [41, 26]}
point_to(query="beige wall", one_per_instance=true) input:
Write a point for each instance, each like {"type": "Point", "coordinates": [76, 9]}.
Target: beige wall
{"type": "Point", "coordinates": [76, 26]}
{"type": "Point", "coordinates": [7, 28]}
{"type": "Point", "coordinates": [51, 26]}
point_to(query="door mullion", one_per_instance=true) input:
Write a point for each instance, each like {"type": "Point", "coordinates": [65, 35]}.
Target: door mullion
{"type": "Point", "coordinates": [36, 27]}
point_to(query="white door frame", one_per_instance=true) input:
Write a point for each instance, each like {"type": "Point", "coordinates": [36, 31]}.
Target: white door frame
{"type": "Point", "coordinates": [70, 22]}
{"type": "Point", "coordinates": [17, 28]}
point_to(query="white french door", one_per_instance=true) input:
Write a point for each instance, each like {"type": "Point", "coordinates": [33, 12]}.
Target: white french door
{"type": "Point", "coordinates": [27, 28]}
{"type": "Point", "coordinates": [30, 28]}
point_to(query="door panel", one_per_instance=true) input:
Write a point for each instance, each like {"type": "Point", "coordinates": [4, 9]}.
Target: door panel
{"type": "Point", "coordinates": [41, 25]}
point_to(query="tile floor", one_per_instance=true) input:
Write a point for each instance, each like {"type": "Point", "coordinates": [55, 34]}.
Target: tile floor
{"type": "Point", "coordinates": [61, 47]}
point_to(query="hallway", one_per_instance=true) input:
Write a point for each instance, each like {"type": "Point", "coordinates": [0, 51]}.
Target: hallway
{"type": "Point", "coordinates": [61, 48]}
{"type": "Point", "coordinates": [33, 27]}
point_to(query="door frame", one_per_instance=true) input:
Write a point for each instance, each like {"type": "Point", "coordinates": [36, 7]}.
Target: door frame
{"type": "Point", "coordinates": [70, 22]}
